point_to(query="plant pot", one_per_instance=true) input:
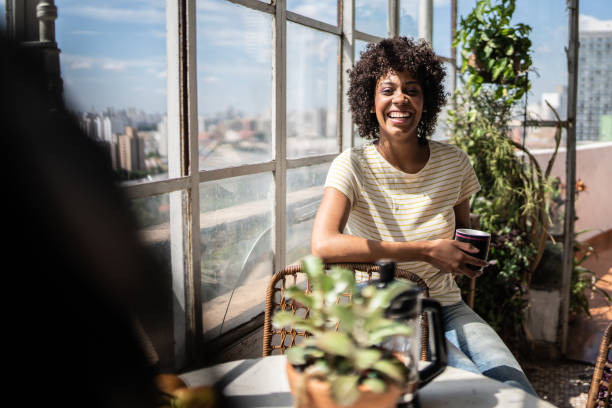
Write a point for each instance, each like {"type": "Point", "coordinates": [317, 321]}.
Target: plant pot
{"type": "Point", "coordinates": [317, 393]}
{"type": "Point", "coordinates": [487, 75]}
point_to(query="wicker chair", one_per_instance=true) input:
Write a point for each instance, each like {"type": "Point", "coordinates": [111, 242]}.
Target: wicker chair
{"type": "Point", "coordinates": [599, 393]}
{"type": "Point", "coordinates": [282, 339]}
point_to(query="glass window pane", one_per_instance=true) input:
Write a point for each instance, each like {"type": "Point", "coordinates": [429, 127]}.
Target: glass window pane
{"type": "Point", "coordinates": [312, 91]}
{"type": "Point", "coordinates": [442, 130]}
{"type": "Point", "coordinates": [236, 244]}
{"type": "Point", "coordinates": [116, 87]}
{"type": "Point", "coordinates": [2, 15]}
{"type": "Point", "coordinates": [322, 10]}
{"type": "Point", "coordinates": [371, 17]}
{"type": "Point", "coordinates": [360, 46]}
{"type": "Point", "coordinates": [234, 59]}
{"type": "Point", "coordinates": [304, 192]}
{"type": "Point", "coordinates": [153, 218]}
{"type": "Point", "coordinates": [409, 18]}
{"type": "Point", "coordinates": [442, 28]}
{"type": "Point", "coordinates": [594, 99]}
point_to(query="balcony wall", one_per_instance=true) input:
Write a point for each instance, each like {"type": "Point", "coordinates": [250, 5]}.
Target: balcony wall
{"type": "Point", "coordinates": [594, 168]}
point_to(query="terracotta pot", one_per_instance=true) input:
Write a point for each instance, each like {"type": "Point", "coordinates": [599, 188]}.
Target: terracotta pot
{"type": "Point", "coordinates": [474, 62]}
{"type": "Point", "coordinates": [320, 397]}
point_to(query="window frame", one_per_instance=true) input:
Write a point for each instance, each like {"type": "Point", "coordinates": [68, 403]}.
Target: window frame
{"type": "Point", "coordinates": [184, 174]}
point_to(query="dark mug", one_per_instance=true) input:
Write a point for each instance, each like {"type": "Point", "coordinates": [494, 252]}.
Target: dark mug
{"type": "Point", "coordinates": [478, 239]}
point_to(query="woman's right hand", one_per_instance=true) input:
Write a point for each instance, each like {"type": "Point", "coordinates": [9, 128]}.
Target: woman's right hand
{"type": "Point", "coordinates": [449, 256]}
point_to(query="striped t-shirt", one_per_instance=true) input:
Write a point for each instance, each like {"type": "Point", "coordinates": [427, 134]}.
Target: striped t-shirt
{"type": "Point", "coordinates": [390, 205]}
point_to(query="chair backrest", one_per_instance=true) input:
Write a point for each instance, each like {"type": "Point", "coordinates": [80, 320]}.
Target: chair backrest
{"type": "Point", "coordinates": [278, 340]}
{"type": "Point", "coordinates": [601, 383]}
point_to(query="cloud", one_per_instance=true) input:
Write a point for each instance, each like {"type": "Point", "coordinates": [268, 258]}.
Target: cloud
{"type": "Point", "coordinates": [76, 62]}
{"type": "Point", "coordinates": [81, 65]}
{"type": "Point", "coordinates": [318, 10]}
{"type": "Point", "coordinates": [590, 23]}
{"type": "Point", "coordinates": [80, 62]}
{"type": "Point", "coordinates": [118, 15]}
{"type": "Point", "coordinates": [211, 79]}
{"type": "Point", "coordinates": [213, 72]}
{"type": "Point", "coordinates": [157, 33]}
{"type": "Point", "coordinates": [543, 49]}
{"type": "Point", "coordinates": [210, 6]}
{"type": "Point", "coordinates": [441, 3]}
{"type": "Point", "coordinates": [85, 32]}
{"type": "Point", "coordinates": [160, 91]}
{"type": "Point", "coordinates": [114, 65]}
{"type": "Point", "coordinates": [371, 8]}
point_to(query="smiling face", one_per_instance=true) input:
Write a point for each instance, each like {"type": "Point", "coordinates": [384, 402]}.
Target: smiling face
{"type": "Point", "coordinates": [398, 102]}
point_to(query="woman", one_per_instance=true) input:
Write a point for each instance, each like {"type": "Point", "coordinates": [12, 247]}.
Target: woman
{"type": "Point", "coordinates": [401, 196]}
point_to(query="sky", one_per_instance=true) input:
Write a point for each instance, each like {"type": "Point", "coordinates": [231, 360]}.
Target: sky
{"type": "Point", "coordinates": [113, 52]}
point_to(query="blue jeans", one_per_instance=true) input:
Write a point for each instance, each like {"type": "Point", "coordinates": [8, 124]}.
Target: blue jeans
{"type": "Point", "coordinates": [474, 346]}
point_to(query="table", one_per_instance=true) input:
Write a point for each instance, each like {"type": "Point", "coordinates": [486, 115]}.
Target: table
{"type": "Point", "coordinates": [262, 382]}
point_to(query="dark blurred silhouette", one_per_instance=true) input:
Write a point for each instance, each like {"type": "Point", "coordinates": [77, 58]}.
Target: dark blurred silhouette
{"type": "Point", "coordinates": [76, 271]}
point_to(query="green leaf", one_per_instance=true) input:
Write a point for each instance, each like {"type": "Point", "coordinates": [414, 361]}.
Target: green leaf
{"type": "Point", "coordinates": [298, 294]}
{"type": "Point", "coordinates": [344, 389]}
{"type": "Point", "coordinates": [365, 359]}
{"type": "Point", "coordinates": [335, 343]}
{"type": "Point", "coordinates": [342, 281]}
{"type": "Point", "coordinates": [392, 329]}
{"type": "Point", "coordinates": [368, 291]}
{"type": "Point", "coordinates": [322, 366]}
{"type": "Point", "coordinates": [478, 12]}
{"type": "Point", "coordinates": [309, 325]}
{"type": "Point", "coordinates": [509, 72]}
{"type": "Point", "coordinates": [510, 50]}
{"type": "Point", "coordinates": [326, 285]}
{"type": "Point", "coordinates": [313, 267]}
{"type": "Point", "coordinates": [499, 92]}
{"type": "Point", "coordinates": [311, 352]}
{"type": "Point", "coordinates": [296, 355]}
{"type": "Point", "coordinates": [471, 115]}
{"type": "Point", "coordinates": [392, 369]}
{"type": "Point", "coordinates": [382, 298]}
{"type": "Point", "coordinates": [499, 67]}
{"type": "Point", "coordinates": [344, 315]}
{"type": "Point", "coordinates": [489, 64]}
{"type": "Point", "coordinates": [283, 318]}
{"type": "Point", "coordinates": [375, 385]}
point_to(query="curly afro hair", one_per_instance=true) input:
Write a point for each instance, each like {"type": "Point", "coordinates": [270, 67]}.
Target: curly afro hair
{"type": "Point", "coordinates": [396, 54]}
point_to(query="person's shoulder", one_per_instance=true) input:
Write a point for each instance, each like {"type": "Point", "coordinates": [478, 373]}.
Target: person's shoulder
{"type": "Point", "coordinates": [357, 154]}
{"type": "Point", "coordinates": [448, 149]}
{"type": "Point", "coordinates": [444, 146]}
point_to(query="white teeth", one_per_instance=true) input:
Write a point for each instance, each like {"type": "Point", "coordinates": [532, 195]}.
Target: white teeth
{"type": "Point", "coordinates": [399, 115]}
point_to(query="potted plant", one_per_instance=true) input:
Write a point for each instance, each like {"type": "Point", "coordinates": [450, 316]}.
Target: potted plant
{"type": "Point", "coordinates": [342, 362]}
{"type": "Point", "coordinates": [493, 51]}
{"type": "Point", "coordinates": [515, 198]}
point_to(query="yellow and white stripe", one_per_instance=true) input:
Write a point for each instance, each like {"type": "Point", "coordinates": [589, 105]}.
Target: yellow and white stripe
{"type": "Point", "coordinates": [390, 205]}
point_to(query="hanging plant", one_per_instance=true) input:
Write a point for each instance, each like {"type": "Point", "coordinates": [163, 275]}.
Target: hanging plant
{"type": "Point", "coordinates": [493, 51]}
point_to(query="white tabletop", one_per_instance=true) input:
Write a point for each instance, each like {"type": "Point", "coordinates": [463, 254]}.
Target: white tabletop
{"type": "Point", "coordinates": [262, 382]}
